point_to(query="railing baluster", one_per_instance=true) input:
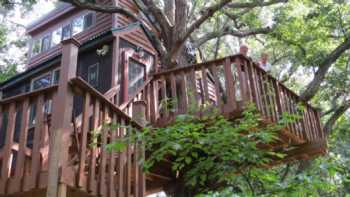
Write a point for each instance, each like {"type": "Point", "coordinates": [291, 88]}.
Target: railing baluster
{"type": "Point", "coordinates": [112, 157]}
{"type": "Point", "coordinates": [121, 162]}
{"type": "Point", "coordinates": [183, 93]}
{"type": "Point", "coordinates": [6, 162]}
{"type": "Point", "coordinates": [84, 134]}
{"type": "Point", "coordinates": [205, 85]}
{"type": "Point", "coordinates": [194, 98]}
{"type": "Point", "coordinates": [252, 84]}
{"type": "Point", "coordinates": [102, 169]}
{"type": "Point", "coordinates": [175, 100]}
{"type": "Point", "coordinates": [217, 86]}
{"type": "Point", "coordinates": [15, 184]}
{"type": "Point", "coordinates": [230, 87]}
{"type": "Point", "coordinates": [93, 152]}
{"type": "Point", "coordinates": [36, 144]}
{"type": "Point", "coordinates": [164, 102]}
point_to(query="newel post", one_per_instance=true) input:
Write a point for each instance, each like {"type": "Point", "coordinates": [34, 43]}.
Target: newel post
{"type": "Point", "coordinates": [61, 120]}
{"type": "Point", "coordinates": [139, 116]}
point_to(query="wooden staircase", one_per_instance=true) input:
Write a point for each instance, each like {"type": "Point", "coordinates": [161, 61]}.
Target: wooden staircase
{"type": "Point", "coordinates": [78, 169]}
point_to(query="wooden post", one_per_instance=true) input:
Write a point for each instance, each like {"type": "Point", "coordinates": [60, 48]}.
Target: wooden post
{"type": "Point", "coordinates": [61, 117]}
{"type": "Point", "coordinates": [139, 115]}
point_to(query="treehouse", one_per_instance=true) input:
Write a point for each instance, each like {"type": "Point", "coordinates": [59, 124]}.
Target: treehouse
{"type": "Point", "coordinates": [87, 68]}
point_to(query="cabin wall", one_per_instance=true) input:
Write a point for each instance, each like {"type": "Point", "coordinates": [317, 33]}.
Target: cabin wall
{"type": "Point", "coordinates": [103, 24]}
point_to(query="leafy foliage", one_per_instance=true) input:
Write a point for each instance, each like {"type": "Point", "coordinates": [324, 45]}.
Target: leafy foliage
{"type": "Point", "coordinates": [209, 152]}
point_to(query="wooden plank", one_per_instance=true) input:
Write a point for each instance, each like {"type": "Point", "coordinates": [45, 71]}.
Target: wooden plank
{"type": "Point", "coordinates": [84, 135]}
{"type": "Point", "coordinates": [39, 123]}
{"type": "Point", "coordinates": [128, 167]}
{"type": "Point", "coordinates": [92, 185]}
{"type": "Point", "coordinates": [6, 161]}
{"type": "Point", "coordinates": [193, 96]}
{"type": "Point", "coordinates": [183, 92]}
{"type": "Point", "coordinates": [15, 185]}
{"type": "Point", "coordinates": [263, 94]}
{"type": "Point", "coordinates": [164, 97]}
{"type": "Point", "coordinates": [278, 99]}
{"type": "Point", "coordinates": [112, 157]}
{"type": "Point", "coordinates": [153, 102]}
{"type": "Point", "coordinates": [252, 84]}
{"type": "Point", "coordinates": [217, 85]}
{"type": "Point", "coordinates": [246, 80]}
{"type": "Point", "coordinates": [230, 85]}
{"type": "Point", "coordinates": [102, 167]}
{"type": "Point", "coordinates": [258, 90]}
{"type": "Point", "coordinates": [205, 85]}
{"type": "Point", "coordinates": [121, 161]}
{"type": "Point", "coordinates": [273, 100]}
{"type": "Point", "coordinates": [241, 80]}
{"type": "Point", "coordinates": [174, 101]}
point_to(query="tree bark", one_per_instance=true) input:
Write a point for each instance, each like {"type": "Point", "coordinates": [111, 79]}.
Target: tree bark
{"type": "Point", "coordinates": [313, 87]}
{"type": "Point", "coordinates": [335, 116]}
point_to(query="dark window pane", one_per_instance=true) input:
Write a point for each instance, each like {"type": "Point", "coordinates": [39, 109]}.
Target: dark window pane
{"type": "Point", "coordinates": [42, 82]}
{"type": "Point", "coordinates": [56, 76]}
{"type": "Point", "coordinates": [88, 20]}
{"type": "Point", "coordinates": [3, 129]}
{"type": "Point", "coordinates": [93, 75]}
{"type": "Point", "coordinates": [46, 43]}
{"type": "Point", "coordinates": [136, 76]}
{"type": "Point", "coordinates": [66, 32]}
{"type": "Point", "coordinates": [32, 115]}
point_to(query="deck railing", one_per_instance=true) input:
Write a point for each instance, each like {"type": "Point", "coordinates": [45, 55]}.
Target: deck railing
{"type": "Point", "coordinates": [103, 172]}
{"type": "Point", "coordinates": [229, 84]}
{"type": "Point", "coordinates": [32, 123]}
{"type": "Point", "coordinates": [25, 132]}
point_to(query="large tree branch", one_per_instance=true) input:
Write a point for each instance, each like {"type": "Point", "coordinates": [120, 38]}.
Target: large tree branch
{"type": "Point", "coordinates": [313, 87]}
{"type": "Point", "coordinates": [161, 18]}
{"type": "Point", "coordinates": [232, 32]}
{"type": "Point", "coordinates": [335, 116]}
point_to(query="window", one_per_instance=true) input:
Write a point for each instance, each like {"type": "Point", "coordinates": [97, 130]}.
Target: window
{"type": "Point", "coordinates": [77, 25]}
{"type": "Point", "coordinates": [88, 20]}
{"type": "Point", "coordinates": [56, 36]}
{"type": "Point", "coordinates": [45, 80]}
{"type": "Point", "coordinates": [66, 32]}
{"type": "Point", "coordinates": [42, 82]}
{"type": "Point", "coordinates": [136, 76]}
{"type": "Point", "coordinates": [93, 75]}
{"type": "Point", "coordinates": [46, 42]}
{"type": "Point", "coordinates": [36, 46]}
{"type": "Point", "coordinates": [56, 76]}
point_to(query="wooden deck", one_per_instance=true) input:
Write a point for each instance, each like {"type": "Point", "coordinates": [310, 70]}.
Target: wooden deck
{"type": "Point", "coordinates": [53, 148]}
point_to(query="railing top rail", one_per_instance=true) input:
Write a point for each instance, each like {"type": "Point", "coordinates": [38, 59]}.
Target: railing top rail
{"type": "Point", "coordinates": [232, 58]}
{"type": "Point", "coordinates": [28, 94]}
{"type": "Point", "coordinates": [82, 84]}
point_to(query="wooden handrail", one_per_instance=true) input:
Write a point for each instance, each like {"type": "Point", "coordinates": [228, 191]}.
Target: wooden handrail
{"type": "Point", "coordinates": [28, 95]}
{"type": "Point", "coordinates": [82, 84]}
{"type": "Point", "coordinates": [221, 61]}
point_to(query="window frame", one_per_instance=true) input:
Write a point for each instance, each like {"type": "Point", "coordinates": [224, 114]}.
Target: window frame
{"type": "Point", "coordinates": [97, 75]}
{"type": "Point", "coordinates": [69, 24]}
{"type": "Point", "coordinates": [51, 72]}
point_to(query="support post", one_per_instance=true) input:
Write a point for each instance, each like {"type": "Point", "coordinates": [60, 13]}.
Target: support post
{"type": "Point", "coordinates": [61, 119]}
{"type": "Point", "coordinates": [139, 115]}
